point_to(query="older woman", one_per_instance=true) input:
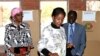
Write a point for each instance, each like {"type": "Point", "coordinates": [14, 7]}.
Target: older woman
{"type": "Point", "coordinates": [17, 35]}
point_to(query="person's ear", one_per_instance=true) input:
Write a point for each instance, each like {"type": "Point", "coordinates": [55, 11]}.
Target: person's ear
{"type": "Point", "coordinates": [13, 18]}
{"type": "Point", "coordinates": [52, 17]}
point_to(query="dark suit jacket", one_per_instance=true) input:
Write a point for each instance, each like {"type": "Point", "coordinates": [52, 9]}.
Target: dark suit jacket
{"type": "Point", "coordinates": [79, 39]}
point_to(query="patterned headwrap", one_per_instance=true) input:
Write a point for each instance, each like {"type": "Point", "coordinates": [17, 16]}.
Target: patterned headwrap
{"type": "Point", "coordinates": [15, 11]}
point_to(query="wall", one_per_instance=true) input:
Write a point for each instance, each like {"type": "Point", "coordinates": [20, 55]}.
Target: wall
{"type": "Point", "coordinates": [35, 24]}
{"type": "Point", "coordinates": [94, 34]}
{"type": "Point", "coordinates": [77, 4]}
{"type": "Point", "coordinates": [35, 30]}
{"type": "Point", "coordinates": [30, 4]}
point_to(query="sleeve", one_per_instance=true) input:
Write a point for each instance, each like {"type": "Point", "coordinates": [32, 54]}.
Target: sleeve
{"type": "Point", "coordinates": [7, 38]}
{"type": "Point", "coordinates": [65, 35]}
{"type": "Point", "coordinates": [28, 34]}
{"type": "Point", "coordinates": [82, 43]}
{"type": "Point", "coordinates": [45, 34]}
{"type": "Point", "coordinates": [45, 51]}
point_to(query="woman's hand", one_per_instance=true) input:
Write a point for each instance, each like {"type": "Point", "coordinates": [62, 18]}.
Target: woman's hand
{"type": "Point", "coordinates": [11, 49]}
{"type": "Point", "coordinates": [53, 54]}
{"type": "Point", "coordinates": [28, 50]}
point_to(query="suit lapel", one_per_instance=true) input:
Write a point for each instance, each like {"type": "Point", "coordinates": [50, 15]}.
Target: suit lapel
{"type": "Point", "coordinates": [75, 32]}
{"type": "Point", "coordinates": [67, 29]}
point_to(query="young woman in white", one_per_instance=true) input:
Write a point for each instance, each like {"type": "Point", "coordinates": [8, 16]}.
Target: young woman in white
{"type": "Point", "coordinates": [53, 42]}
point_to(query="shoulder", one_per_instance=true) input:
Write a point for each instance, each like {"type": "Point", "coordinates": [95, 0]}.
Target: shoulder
{"type": "Point", "coordinates": [80, 26]}
{"type": "Point", "coordinates": [65, 25]}
{"type": "Point", "coordinates": [47, 28]}
{"type": "Point", "coordinates": [62, 27]}
{"type": "Point", "coordinates": [25, 24]}
{"type": "Point", "coordinates": [8, 25]}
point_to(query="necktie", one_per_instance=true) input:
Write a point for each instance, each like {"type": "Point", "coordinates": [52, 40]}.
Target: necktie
{"type": "Point", "coordinates": [71, 33]}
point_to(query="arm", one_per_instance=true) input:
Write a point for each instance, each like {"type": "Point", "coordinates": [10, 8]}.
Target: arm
{"type": "Point", "coordinates": [45, 52]}
{"type": "Point", "coordinates": [82, 43]}
{"type": "Point", "coordinates": [30, 43]}
{"type": "Point", "coordinates": [43, 41]}
{"type": "Point", "coordinates": [28, 35]}
{"type": "Point", "coordinates": [7, 39]}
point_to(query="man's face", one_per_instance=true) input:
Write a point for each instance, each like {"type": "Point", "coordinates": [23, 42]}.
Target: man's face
{"type": "Point", "coordinates": [58, 20]}
{"type": "Point", "coordinates": [18, 17]}
{"type": "Point", "coordinates": [71, 18]}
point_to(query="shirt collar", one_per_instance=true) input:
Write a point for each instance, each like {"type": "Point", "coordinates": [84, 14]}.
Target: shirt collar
{"type": "Point", "coordinates": [71, 24]}
{"type": "Point", "coordinates": [54, 26]}
{"type": "Point", "coordinates": [15, 24]}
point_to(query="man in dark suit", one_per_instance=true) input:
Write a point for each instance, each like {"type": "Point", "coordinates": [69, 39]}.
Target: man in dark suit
{"type": "Point", "coordinates": [76, 35]}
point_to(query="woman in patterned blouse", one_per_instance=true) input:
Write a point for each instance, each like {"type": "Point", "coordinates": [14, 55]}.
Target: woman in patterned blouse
{"type": "Point", "coordinates": [18, 40]}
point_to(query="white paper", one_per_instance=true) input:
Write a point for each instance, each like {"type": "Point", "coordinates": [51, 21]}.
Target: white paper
{"type": "Point", "coordinates": [88, 16]}
{"type": "Point", "coordinates": [28, 15]}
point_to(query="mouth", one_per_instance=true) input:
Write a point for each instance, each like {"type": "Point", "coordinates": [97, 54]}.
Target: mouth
{"type": "Point", "coordinates": [71, 22]}
{"type": "Point", "coordinates": [58, 25]}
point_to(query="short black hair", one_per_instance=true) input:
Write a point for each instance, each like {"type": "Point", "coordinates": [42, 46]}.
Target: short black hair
{"type": "Point", "coordinates": [58, 11]}
{"type": "Point", "coordinates": [72, 12]}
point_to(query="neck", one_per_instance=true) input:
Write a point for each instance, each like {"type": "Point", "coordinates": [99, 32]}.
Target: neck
{"type": "Point", "coordinates": [54, 26]}
{"type": "Point", "coordinates": [17, 23]}
{"type": "Point", "coordinates": [71, 23]}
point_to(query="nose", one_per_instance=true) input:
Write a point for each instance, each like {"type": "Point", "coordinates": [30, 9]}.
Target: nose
{"type": "Point", "coordinates": [60, 22]}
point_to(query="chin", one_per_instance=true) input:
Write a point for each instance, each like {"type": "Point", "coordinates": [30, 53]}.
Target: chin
{"type": "Point", "coordinates": [71, 22]}
{"type": "Point", "coordinates": [58, 25]}
{"type": "Point", "coordinates": [20, 20]}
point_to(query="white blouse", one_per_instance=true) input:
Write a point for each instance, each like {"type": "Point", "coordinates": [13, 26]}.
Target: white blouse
{"type": "Point", "coordinates": [54, 40]}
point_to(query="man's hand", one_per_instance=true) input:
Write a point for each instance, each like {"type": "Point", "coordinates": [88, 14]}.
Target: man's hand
{"type": "Point", "coordinates": [70, 45]}
{"type": "Point", "coordinates": [29, 49]}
